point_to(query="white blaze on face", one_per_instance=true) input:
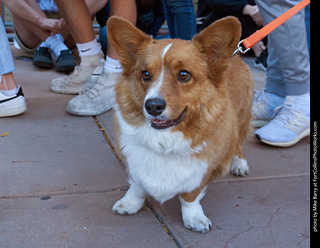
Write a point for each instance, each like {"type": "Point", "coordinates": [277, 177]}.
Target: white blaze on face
{"type": "Point", "coordinates": [153, 92]}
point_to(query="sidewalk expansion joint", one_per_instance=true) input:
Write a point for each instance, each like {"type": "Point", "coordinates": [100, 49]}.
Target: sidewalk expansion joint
{"type": "Point", "coordinates": [260, 178]}
{"type": "Point", "coordinates": [114, 150]}
{"type": "Point", "coordinates": [64, 192]}
{"type": "Point", "coordinates": [106, 137]}
{"type": "Point", "coordinates": [162, 223]}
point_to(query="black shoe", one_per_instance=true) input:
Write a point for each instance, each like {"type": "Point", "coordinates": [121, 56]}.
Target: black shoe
{"type": "Point", "coordinates": [42, 58]}
{"type": "Point", "coordinates": [65, 62]}
{"type": "Point", "coordinates": [261, 61]}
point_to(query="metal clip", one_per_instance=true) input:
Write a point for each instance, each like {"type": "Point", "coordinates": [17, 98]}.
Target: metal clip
{"type": "Point", "coordinates": [240, 49]}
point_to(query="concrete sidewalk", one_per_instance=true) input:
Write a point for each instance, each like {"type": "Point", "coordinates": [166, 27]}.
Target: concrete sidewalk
{"type": "Point", "coordinates": [60, 178]}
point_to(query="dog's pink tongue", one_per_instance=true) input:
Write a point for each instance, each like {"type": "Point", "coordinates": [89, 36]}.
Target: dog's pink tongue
{"type": "Point", "coordinates": [156, 121]}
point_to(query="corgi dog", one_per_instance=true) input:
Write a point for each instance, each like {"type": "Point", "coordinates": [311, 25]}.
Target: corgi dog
{"type": "Point", "coordinates": [182, 112]}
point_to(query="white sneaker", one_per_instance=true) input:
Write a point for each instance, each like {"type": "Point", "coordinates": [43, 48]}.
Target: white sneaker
{"type": "Point", "coordinates": [99, 99]}
{"type": "Point", "coordinates": [80, 79]}
{"type": "Point", "coordinates": [263, 108]}
{"type": "Point", "coordinates": [289, 126]}
{"type": "Point", "coordinates": [12, 105]}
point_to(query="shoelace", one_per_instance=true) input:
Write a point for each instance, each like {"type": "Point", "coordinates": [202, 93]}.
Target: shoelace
{"type": "Point", "coordinates": [259, 110]}
{"type": "Point", "coordinates": [291, 118]}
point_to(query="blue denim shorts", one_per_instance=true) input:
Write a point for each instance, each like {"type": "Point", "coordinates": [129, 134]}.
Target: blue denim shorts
{"type": "Point", "coordinates": [6, 60]}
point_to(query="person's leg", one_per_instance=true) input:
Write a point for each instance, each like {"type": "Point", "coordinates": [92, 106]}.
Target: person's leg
{"type": "Point", "coordinates": [94, 6]}
{"type": "Point", "coordinates": [29, 33]}
{"type": "Point", "coordinates": [184, 18]}
{"type": "Point", "coordinates": [77, 17]}
{"type": "Point", "coordinates": [7, 82]}
{"type": "Point", "coordinates": [100, 98]}
{"type": "Point", "coordinates": [125, 9]}
{"type": "Point", "coordinates": [307, 20]}
{"type": "Point", "coordinates": [288, 61]}
{"type": "Point", "coordinates": [288, 76]}
{"type": "Point", "coordinates": [6, 61]}
{"type": "Point", "coordinates": [169, 18]}
{"type": "Point", "coordinates": [12, 101]}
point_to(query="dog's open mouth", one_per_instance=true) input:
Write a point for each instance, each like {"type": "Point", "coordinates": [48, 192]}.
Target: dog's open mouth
{"type": "Point", "coordinates": [164, 124]}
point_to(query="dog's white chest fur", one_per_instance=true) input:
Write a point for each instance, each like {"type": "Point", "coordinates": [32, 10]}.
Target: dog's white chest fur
{"type": "Point", "coordinates": [161, 162]}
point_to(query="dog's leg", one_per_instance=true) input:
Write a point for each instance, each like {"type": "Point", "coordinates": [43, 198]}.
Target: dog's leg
{"type": "Point", "coordinates": [239, 165]}
{"type": "Point", "coordinates": [192, 213]}
{"type": "Point", "coordinates": [132, 202]}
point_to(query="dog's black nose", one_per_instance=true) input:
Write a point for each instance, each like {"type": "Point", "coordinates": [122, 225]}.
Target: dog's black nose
{"type": "Point", "coordinates": [155, 106]}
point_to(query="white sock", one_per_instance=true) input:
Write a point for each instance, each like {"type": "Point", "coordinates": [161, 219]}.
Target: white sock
{"type": "Point", "coordinates": [55, 44]}
{"type": "Point", "coordinates": [112, 65]}
{"type": "Point", "coordinates": [89, 48]}
{"type": "Point", "coordinates": [60, 37]}
{"type": "Point", "coordinates": [9, 92]}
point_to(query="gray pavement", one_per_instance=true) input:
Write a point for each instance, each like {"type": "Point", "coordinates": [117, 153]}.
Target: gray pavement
{"type": "Point", "coordinates": [59, 178]}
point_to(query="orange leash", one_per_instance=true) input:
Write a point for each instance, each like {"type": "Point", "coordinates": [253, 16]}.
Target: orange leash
{"type": "Point", "coordinates": [260, 34]}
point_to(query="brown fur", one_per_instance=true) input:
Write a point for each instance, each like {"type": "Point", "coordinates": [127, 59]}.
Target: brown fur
{"type": "Point", "coordinates": [218, 97]}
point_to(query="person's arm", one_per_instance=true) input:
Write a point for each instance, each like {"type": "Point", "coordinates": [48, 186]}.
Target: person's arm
{"type": "Point", "coordinates": [22, 9]}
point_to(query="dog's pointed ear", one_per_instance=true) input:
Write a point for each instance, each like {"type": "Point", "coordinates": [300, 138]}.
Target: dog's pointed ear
{"type": "Point", "coordinates": [126, 39]}
{"type": "Point", "coordinates": [218, 42]}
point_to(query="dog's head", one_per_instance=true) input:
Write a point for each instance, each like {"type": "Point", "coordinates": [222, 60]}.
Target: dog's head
{"type": "Point", "coordinates": [172, 83]}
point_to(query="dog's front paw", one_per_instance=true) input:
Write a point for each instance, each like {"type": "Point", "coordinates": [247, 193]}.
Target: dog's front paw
{"type": "Point", "coordinates": [193, 216]}
{"type": "Point", "coordinates": [197, 223]}
{"type": "Point", "coordinates": [127, 206]}
{"type": "Point", "coordinates": [239, 167]}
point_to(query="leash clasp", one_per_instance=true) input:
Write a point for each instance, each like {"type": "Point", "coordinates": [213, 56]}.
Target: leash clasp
{"type": "Point", "coordinates": [240, 49]}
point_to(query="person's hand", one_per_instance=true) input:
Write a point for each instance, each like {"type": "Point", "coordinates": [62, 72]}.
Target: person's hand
{"type": "Point", "coordinates": [62, 25]}
{"type": "Point", "coordinates": [257, 17]}
{"type": "Point", "coordinates": [254, 12]}
{"type": "Point", "coordinates": [51, 25]}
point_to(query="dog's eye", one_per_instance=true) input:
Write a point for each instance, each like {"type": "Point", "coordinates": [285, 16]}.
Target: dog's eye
{"type": "Point", "coordinates": [184, 76]}
{"type": "Point", "coordinates": [146, 76]}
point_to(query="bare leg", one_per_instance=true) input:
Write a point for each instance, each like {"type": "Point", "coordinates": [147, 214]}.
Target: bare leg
{"type": "Point", "coordinates": [7, 82]}
{"type": "Point", "coordinates": [122, 8]}
{"type": "Point", "coordinates": [94, 6]}
{"type": "Point", "coordinates": [76, 15]}
{"type": "Point", "coordinates": [29, 33]}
